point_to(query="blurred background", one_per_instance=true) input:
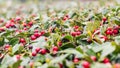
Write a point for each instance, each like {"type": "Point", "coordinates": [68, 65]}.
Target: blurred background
{"type": "Point", "coordinates": [12, 7]}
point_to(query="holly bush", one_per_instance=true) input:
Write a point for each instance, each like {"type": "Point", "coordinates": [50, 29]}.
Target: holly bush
{"type": "Point", "coordinates": [79, 35]}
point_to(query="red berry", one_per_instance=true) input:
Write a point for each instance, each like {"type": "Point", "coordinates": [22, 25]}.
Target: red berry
{"type": "Point", "coordinates": [7, 46]}
{"type": "Point", "coordinates": [105, 38]}
{"type": "Point", "coordinates": [37, 35]}
{"type": "Point", "coordinates": [22, 40]}
{"type": "Point", "coordinates": [93, 58]}
{"type": "Point", "coordinates": [108, 32]}
{"type": "Point", "coordinates": [55, 48]}
{"type": "Point", "coordinates": [37, 49]}
{"type": "Point", "coordinates": [78, 33]}
{"type": "Point", "coordinates": [34, 53]}
{"type": "Point", "coordinates": [106, 60]}
{"type": "Point", "coordinates": [33, 37]}
{"type": "Point", "coordinates": [30, 23]}
{"type": "Point", "coordinates": [115, 31]}
{"type": "Point", "coordinates": [76, 60]}
{"type": "Point", "coordinates": [117, 65]}
{"type": "Point", "coordinates": [60, 65]}
{"type": "Point", "coordinates": [31, 64]}
{"type": "Point", "coordinates": [73, 33]}
{"type": "Point", "coordinates": [104, 19]}
{"type": "Point", "coordinates": [25, 28]}
{"type": "Point", "coordinates": [18, 57]}
{"type": "Point", "coordinates": [109, 28]}
{"type": "Point", "coordinates": [76, 27]}
{"type": "Point", "coordinates": [12, 24]}
{"type": "Point", "coordinates": [43, 51]}
{"type": "Point", "coordinates": [12, 20]}
{"type": "Point", "coordinates": [2, 29]}
{"type": "Point", "coordinates": [86, 64]}
{"type": "Point", "coordinates": [24, 24]}
{"type": "Point", "coordinates": [64, 18]}
{"type": "Point", "coordinates": [59, 43]}
{"type": "Point", "coordinates": [18, 18]}
{"type": "Point", "coordinates": [36, 31]}
{"type": "Point", "coordinates": [7, 25]}
{"type": "Point", "coordinates": [21, 67]}
{"type": "Point", "coordinates": [42, 32]}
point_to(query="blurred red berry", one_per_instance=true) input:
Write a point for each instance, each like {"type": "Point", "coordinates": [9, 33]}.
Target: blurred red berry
{"type": "Point", "coordinates": [37, 49]}
{"type": "Point", "coordinates": [18, 19]}
{"type": "Point", "coordinates": [75, 60]}
{"type": "Point", "coordinates": [93, 58]}
{"type": "Point", "coordinates": [22, 40]}
{"type": "Point", "coordinates": [73, 34]}
{"type": "Point", "coordinates": [55, 48]}
{"type": "Point", "coordinates": [104, 19]}
{"type": "Point", "coordinates": [36, 31]}
{"type": "Point", "coordinates": [59, 43]}
{"type": "Point", "coordinates": [37, 35]}
{"type": "Point", "coordinates": [108, 32]}
{"type": "Point", "coordinates": [64, 18]}
{"type": "Point", "coordinates": [106, 60]}
{"type": "Point", "coordinates": [60, 65]}
{"type": "Point", "coordinates": [43, 51]}
{"type": "Point", "coordinates": [76, 27]}
{"type": "Point", "coordinates": [86, 64]}
{"type": "Point", "coordinates": [115, 31]}
{"type": "Point", "coordinates": [7, 46]}
{"type": "Point", "coordinates": [78, 33]}
{"type": "Point", "coordinates": [18, 57]}
{"type": "Point", "coordinates": [42, 32]}
{"type": "Point", "coordinates": [34, 53]}
{"type": "Point", "coordinates": [33, 37]}
{"type": "Point", "coordinates": [117, 65]}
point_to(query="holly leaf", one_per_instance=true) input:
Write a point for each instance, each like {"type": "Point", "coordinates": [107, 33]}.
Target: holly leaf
{"type": "Point", "coordinates": [107, 49]}
{"type": "Point", "coordinates": [67, 45]}
{"type": "Point", "coordinates": [1, 41]}
{"type": "Point", "coordinates": [72, 51]}
{"type": "Point", "coordinates": [15, 48]}
{"type": "Point", "coordinates": [14, 41]}
{"type": "Point", "coordinates": [58, 59]}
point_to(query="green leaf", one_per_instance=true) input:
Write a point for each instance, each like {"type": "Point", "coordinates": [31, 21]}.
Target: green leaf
{"type": "Point", "coordinates": [97, 48]}
{"type": "Point", "coordinates": [44, 66]}
{"type": "Point", "coordinates": [25, 61]}
{"type": "Point", "coordinates": [14, 41]}
{"type": "Point", "coordinates": [16, 64]}
{"type": "Point", "coordinates": [39, 42]}
{"type": "Point", "coordinates": [100, 65]}
{"type": "Point", "coordinates": [67, 45]}
{"type": "Point", "coordinates": [58, 59]}
{"type": "Point", "coordinates": [81, 36]}
{"type": "Point", "coordinates": [68, 37]}
{"type": "Point", "coordinates": [79, 49]}
{"type": "Point", "coordinates": [15, 48]}
{"type": "Point", "coordinates": [1, 41]}
{"type": "Point", "coordinates": [90, 52]}
{"type": "Point", "coordinates": [92, 26]}
{"type": "Point", "coordinates": [107, 49]}
{"type": "Point", "coordinates": [117, 40]}
{"type": "Point", "coordinates": [116, 20]}
{"type": "Point", "coordinates": [33, 27]}
{"type": "Point", "coordinates": [7, 60]}
{"type": "Point", "coordinates": [72, 51]}
{"type": "Point", "coordinates": [40, 58]}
